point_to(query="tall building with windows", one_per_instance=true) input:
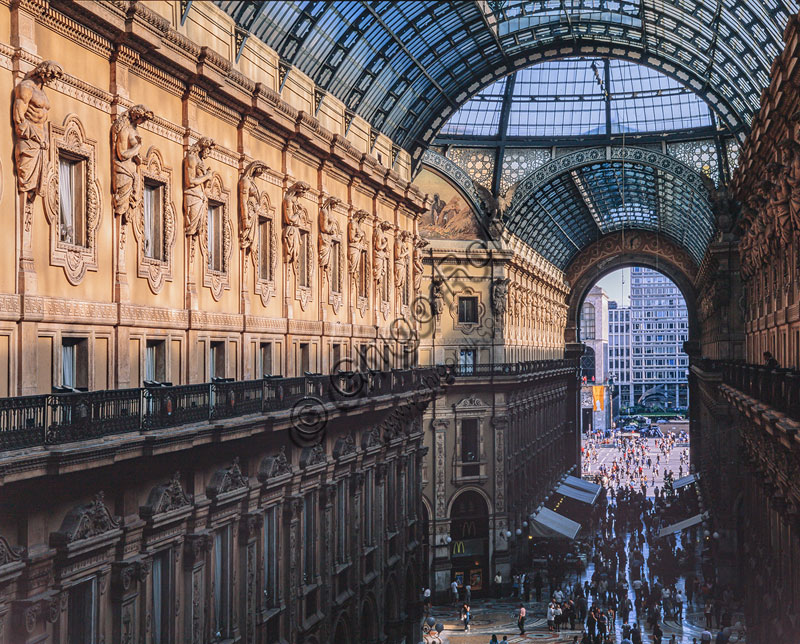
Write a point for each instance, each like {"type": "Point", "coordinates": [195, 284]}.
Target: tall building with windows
{"type": "Point", "coordinates": [656, 372]}
{"type": "Point", "coordinates": [619, 352]}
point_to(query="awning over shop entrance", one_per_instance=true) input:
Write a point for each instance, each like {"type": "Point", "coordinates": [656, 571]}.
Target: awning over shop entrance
{"type": "Point", "coordinates": [546, 523]}
{"type": "Point", "coordinates": [581, 495]}
{"type": "Point", "coordinates": [581, 484]}
{"type": "Point", "coordinates": [681, 525]}
{"type": "Point", "coordinates": [686, 480]}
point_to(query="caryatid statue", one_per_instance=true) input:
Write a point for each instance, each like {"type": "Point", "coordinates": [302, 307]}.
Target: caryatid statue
{"type": "Point", "coordinates": [779, 204]}
{"type": "Point", "coordinates": [196, 178]}
{"type": "Point", "coordinates": [31, 107]}
{"type": "Point", "coordinates": [499, 297]}
{"type": "Point", "coordinates": [125, 160]}
{"type": "Point", "coordinates": [792, 161]}
{"type": "Point", "coordinates": [380, 253]}
{"type": "Point", "coordinates": [328, 228]}
{"type": "Point", "coordinates": [295, 215]}
{"type": "Point", "coordinates": [400, 258]}
{"type": "Point", "coordinates": [355, 244]}
{"type": "Point", "coordinates": [419, 245]}
{"type": "Point", "coordinates": [251, 210]}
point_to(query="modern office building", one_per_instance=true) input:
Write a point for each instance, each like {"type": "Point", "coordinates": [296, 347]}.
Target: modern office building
{"type": "Point", "coordinates": [646, 340]}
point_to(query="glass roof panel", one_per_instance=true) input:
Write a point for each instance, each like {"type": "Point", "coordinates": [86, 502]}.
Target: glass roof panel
{"type": "Point", "coordinates": [480, 115]}
{"type": "Point", "coordinates": [644, 100]}
{"type": "Point", "coordinates": [568, 98]}
{"type": "Point", "coordinates": [559, 98]}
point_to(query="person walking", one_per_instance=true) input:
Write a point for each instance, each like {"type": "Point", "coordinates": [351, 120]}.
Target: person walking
{"type": "Point", "coordinates": [521, 613]}
{"type": "Point", "coordinates": [498, 584]}
{"type": "Point", "coordinates": [465, 615]}
{"type": "Point", "coordinates": [468, 594]}
{"type": "Point", "coordinates": [454, 591]}
{"type": "Point", "coordinates": [707, 611]}
{"type": "Point", "coordinates": [658, 634]}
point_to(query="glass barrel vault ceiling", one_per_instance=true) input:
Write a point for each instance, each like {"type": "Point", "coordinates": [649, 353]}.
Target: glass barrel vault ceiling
{"type": "Point", "coordinates": [578, 206]}
{"type": "Point", "coordinates": [581, 97]}
{"type": "Point", "coordinates": [407, 65]}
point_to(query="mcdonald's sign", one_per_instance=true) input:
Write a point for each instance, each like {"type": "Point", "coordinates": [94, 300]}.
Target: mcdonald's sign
{"type": "Point", "coordinates": [468, 529]}
{"type": "Point", "coordinates": [458, 548]}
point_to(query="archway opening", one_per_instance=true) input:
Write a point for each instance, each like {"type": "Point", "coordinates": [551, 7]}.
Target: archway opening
{"type": "Point", "coordinates": [633, 323]}
{"type": "Point", "coordinates": [470, 546]}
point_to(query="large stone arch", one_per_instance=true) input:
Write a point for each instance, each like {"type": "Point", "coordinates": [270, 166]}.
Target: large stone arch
{"type": "Point", "coordinates": [470, 488]}
{"type": "Point", "coordinates": [624, 249]}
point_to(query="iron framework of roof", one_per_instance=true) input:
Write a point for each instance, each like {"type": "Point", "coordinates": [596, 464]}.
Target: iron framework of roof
{"type": "Point", "coordinates": [407, 65]}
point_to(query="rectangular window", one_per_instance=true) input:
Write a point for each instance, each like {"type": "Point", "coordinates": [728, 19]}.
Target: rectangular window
{"type": "Point", "coordinates": [216, 360]}
{"type": "Point", "coordinates": [271, 556]}
{"type": "Point", "coordinates": [304, 350]}
{"type": "Point", "coordinates": [162, 597]}
{"type": "Point", "coordinates": [466, 361]}
{"type": "Point", "coordinates": [470, 447]}
{"type": "Point", "coordinates": [155, 361]}
{"type": "Point", "coordinates": [336, 266]}
{"type": "Point", "coordinates": [467, 310]}
{"type": "Point", "coordinates": [75, 363]}
{"type": "Point", "coordinates": [215, 233]}
{"type": "Point", "coordinates": [369, 506]}
{"type": "Point", "coordinates": [363, 276]}
{"type": "Point", "coordinates": [411, 488]}
{"type": "Point", "coordinates": [153, 224]}
{"type": "Point", "coordinates": [72, 200]}
{"type": "Point", "coordinates": [82, 612]}
{"type": "Point", "coordinates": [222, 580]}
{"type": "Point", "coordinates": [391, 493]}
{"type": "Point", "coordinates": [309, 538]}
{"type": "Point", "coordinates": [304, 277]}
{"type": "Point", "coordinates": [265, 358]}
{"type": "Point", "coordinates": [341, 521]}
{"type": "Point", "coordinates": [265, 250]}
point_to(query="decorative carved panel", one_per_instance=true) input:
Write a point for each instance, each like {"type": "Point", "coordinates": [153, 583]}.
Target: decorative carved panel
{"type": "Point", "coordinates": [70, 140]}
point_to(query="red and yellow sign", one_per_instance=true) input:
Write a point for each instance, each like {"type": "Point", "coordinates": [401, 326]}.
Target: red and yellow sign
{"type": "Point", "coordinates": [598, 398]}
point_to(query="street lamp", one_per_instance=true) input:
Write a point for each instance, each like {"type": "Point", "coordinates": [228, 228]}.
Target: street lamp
{"type": "Point", "coordinates": [431, 631]}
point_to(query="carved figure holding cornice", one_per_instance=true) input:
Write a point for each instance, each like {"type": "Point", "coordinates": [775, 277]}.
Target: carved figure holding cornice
{"type": "Point", "coordinates": [328, 228]}
{"type": "Point", "coordinates": [722, 204]}
{"type": "Point", "coordinates": [499, 296]}
{"type": "Point", "coordinates": [419, 244]}
{"type": "Point", "coordinates": [294, 216]}
{"type": "Point", "coordinates": [400, 259]}
{"type": "Point", "coordinates": [250, 209]}
{"type": "Point", "coordinates": [437, 296]}
{"type": "Point", "coordinates": [380, 245]}
{"type": "Point", "coordinates": [779, 204]}
{"type": "Point", "coordinates": [792, 156]}
{"type": "Point", "coordinates": [31, 108]}
{"type": "Point", "coordinates": [355, 244]}
{"type": "Point", "coordinates": [196, 179]}
{"type": "Point", "coordinates": [126, 146]}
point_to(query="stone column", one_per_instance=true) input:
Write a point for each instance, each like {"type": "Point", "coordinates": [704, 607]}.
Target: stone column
{"type": "Point", "coordinates": [196, 624]}
{"type": "Point", "coordinates": [249, 530]}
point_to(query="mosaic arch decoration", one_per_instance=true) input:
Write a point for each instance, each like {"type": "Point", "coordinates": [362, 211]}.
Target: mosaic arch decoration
{"type": "Point", "coordinates": [405, 67]}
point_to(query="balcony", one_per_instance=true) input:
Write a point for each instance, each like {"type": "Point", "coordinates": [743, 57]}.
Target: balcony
{"type": "Point", "coordinates": [53, 419]}
{"type": "Point", "coordinates": [503, 369]}
{"type": "Point", "coordinates": [776, 388]}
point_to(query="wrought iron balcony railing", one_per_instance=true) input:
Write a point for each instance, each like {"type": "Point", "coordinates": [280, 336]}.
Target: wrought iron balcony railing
{"type": "Point", "coordinates": [512, 368]}
{"type": "Point", "coordinates": [778, 388]}
{"type": "Point", "coordinates": [29, 421]}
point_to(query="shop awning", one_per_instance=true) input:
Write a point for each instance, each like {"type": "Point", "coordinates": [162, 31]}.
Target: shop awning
{"type": "Point", "coordinates": [681, 525]}
{"type": "Point", "coordinates": [579, 495]}
{"type": "Point", "coordinates": [546, 523]}
{"type": "Point", "coordinates": [686, 480]}
{"type": "Point", "coordinates": [581, 484]}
